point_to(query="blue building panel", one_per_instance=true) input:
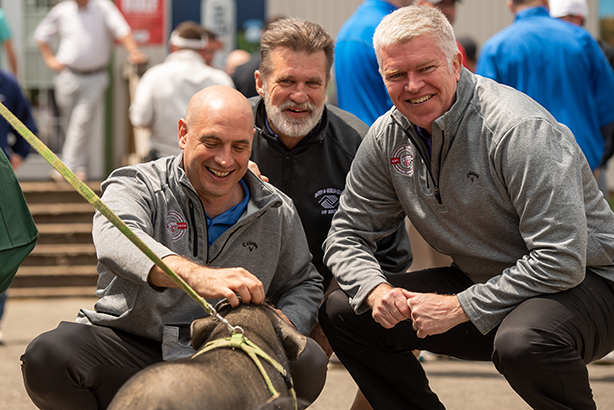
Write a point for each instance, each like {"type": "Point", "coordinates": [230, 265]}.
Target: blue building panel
{"type": "Point", "coordinates": [182, 10]}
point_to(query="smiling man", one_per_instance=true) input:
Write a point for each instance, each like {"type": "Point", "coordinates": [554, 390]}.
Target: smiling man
{"type": "Point", "coordinates": [305, 146]}
{"type": "Point", "coordinates": [218, 226]}
{"type": "Point", "coordinates": [490, 178]}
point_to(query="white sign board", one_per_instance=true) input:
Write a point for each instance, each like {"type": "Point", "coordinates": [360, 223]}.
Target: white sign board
{"type": "Point", "coordinates": [220, 16]}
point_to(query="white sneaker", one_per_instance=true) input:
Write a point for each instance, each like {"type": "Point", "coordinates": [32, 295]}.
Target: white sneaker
{"type": "Point", "coordinates": [607, 359]}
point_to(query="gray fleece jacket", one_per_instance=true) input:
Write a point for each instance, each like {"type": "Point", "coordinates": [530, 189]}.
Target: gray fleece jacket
{"type": "Point", "coordinates": [157, 201]}
{"type": "Point", "coordinates": [507, 194]}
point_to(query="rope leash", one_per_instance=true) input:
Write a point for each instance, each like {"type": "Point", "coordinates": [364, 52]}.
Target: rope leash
{"type": "Point", "coordinates": [238, 341]}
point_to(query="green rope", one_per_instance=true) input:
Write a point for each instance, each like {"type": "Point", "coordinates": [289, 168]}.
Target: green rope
{"type": "Point", "coordinates": [238, 340]}
{"type": "Point", "coordinates": [93, 199]}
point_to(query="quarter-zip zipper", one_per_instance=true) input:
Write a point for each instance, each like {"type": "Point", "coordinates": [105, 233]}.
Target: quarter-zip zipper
{"type": "Point", "coordinates": [194, 229]}
{"type": "Point", "coordinates": [422, 150]}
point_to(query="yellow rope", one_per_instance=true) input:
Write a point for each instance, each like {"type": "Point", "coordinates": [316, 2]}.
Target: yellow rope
{"type": "Point", "coordinates": [238, 340]}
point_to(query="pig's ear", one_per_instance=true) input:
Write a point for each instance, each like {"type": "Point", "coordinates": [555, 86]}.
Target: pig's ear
{"type": "Point", "coordinates": [201, 329]}
{"type": "Point", "coordinates": [293, 342]}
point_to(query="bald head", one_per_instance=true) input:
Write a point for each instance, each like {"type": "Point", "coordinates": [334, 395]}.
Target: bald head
{"type": "Point", "coordinates": [219, 100]}
{"type": "Point", "coordinates": [216, 139]}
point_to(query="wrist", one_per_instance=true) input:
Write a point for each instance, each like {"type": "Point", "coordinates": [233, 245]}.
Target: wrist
{"type": "Point", "coordinates": [377, 293]}
{"type": "Point", "coordinates": [458, 311]}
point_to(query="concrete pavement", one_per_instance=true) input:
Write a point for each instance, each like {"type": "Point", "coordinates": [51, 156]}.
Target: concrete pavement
{"type": "Point", "coordinates": [460, 385]}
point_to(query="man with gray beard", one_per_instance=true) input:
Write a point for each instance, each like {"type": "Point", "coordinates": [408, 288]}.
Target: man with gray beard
{"type": "Point", "coordinates": [303, 145]}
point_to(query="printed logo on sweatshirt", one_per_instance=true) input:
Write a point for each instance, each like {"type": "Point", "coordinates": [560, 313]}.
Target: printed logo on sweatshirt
{"type": "Point", "coordinates": [176, 225]}
{"type": "Point", "coordinates": [328, 198]}
{"type": "Point", "coordinates": [251, 245]}
{"type": "Point", "coordinates": [403, 160]}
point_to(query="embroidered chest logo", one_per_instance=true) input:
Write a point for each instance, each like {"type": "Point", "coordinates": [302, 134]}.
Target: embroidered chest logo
{"type": "Point", "coordinates": [328, 198]}
{"type": "Point", "coordinates": [176, 225]}
{"type": "Point", "coordinates": [472, 176]}
{"type": "Point", "coordinates": [250, 245]}
{"type": "Point", "coordinates": [403, 160]}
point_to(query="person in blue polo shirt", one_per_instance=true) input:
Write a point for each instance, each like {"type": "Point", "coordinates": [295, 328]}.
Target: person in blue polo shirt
{"type": "Point", "coordinates": [560, 66]}
{"type": "Point", "coordinates": [360, 88]}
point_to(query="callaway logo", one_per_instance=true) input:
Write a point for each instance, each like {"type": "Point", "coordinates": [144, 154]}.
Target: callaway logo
{"type": "Point", "coordinates": [250, 245]}
{"type": "Point", "coordinates": [403, 160]}
{"type": "Point", "coordinates": [328, 199]}
{"type": "Point", "coordinates": [176, 225]}
{"type": "Point", "coordinates": [472, 175]}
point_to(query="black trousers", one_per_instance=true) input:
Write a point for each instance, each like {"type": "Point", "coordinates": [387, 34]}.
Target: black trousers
{"type": "Point", "coordinates": [81, 367]}
{"type": "Point", "coordinates": [541, 347]}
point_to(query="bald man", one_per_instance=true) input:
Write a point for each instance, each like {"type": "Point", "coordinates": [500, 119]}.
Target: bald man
{"type": "Point", "coordinates": [218, 226]}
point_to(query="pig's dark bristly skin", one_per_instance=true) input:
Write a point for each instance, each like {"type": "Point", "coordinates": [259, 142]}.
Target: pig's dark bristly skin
{"type": "Point", "coordinates": [223, 378]}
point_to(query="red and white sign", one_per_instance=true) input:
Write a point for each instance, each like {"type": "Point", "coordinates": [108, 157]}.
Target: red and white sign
{"type": "Point", "coordinates": [146, 18]}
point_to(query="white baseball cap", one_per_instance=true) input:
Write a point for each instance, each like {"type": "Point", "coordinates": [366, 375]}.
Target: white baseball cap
{"type": "Point", "coordinates": [562, 8]}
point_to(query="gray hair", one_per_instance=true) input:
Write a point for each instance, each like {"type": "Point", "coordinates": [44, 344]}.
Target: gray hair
{"type": "Point", "coordinates": [409, 22]}
{"type": "Point", "coordinates": [298, 36]}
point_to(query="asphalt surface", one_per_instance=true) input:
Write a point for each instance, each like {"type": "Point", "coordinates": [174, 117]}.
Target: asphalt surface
{"type": "Point", "coordinates": [460, 385]}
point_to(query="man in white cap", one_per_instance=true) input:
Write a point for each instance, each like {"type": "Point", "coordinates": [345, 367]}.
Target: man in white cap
{"type": "Point", "coordinates": [576, 87]}
{"type": "Point", "coordinates": [576, 12]}
{"type": "Point", "coordinates": [163, 93]}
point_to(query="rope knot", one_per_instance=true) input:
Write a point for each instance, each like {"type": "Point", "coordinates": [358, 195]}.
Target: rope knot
{"type": "Point", "coordinates": [236, 340]}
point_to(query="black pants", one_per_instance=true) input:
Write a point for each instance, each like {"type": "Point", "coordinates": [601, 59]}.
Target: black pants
{"type": "Point", "coordinates": [81, 367]}
{"type": "Point", "coordinates": [541, 347]}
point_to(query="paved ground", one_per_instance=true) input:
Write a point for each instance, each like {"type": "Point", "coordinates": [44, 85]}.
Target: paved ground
{"type": "Point", "coordinates": [460, 385]}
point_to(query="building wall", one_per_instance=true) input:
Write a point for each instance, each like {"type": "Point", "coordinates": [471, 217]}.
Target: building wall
{"type": "Point", "coordinates": [330, 14]}
{"type": "Point", "coordinates": [479, 19]}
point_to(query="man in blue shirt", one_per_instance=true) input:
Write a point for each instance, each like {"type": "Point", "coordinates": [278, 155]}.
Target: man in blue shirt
{"type": "Point", "coordinates": [560, 66]}
{"type": "Point", "coordinates": [13, 99]}
{"type": "Point", "coordinates": [360, 88]}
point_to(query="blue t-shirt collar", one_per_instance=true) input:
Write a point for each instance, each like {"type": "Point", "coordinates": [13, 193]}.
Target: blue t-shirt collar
{"type": "Point", "coordinates": [220, 224]}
